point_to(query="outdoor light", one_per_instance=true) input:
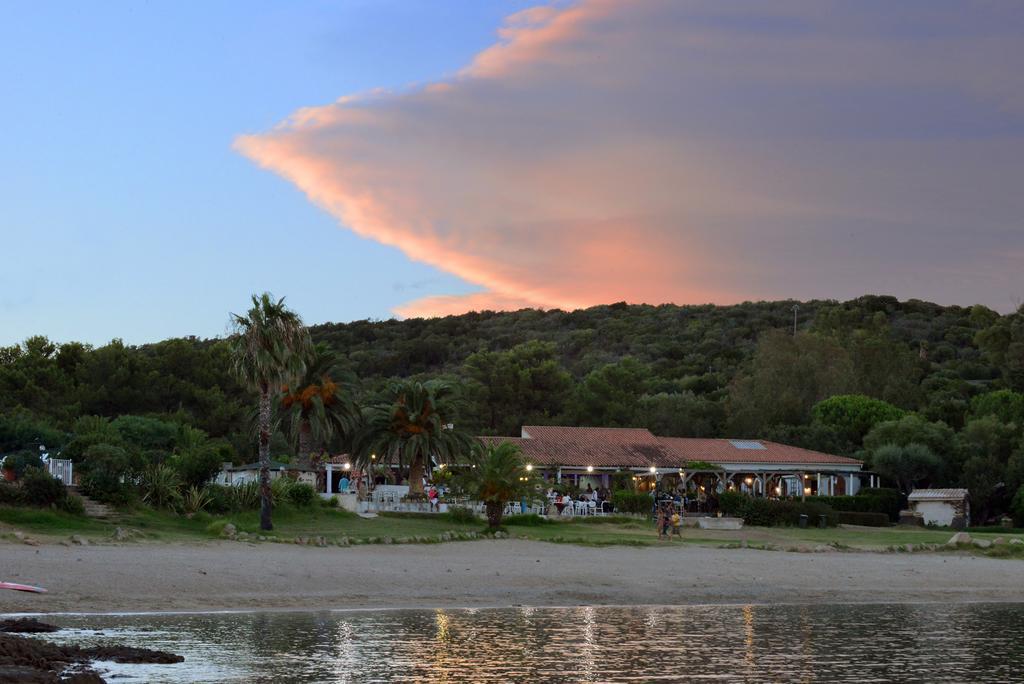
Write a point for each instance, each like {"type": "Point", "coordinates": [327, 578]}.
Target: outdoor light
{"type": "Point", "coordinates": [778, 490]}
{"type": "Point", "coordinates": [807, 490]}
{"type": "Point", "coordinates": [346, 466]}
{"type": "Point", "coordinates": [590, 469]}
{"type": "Point", "coordinates": [654, 469]}
{"type": "Point", "coordinates": [749, 480]}
{"type": "Point", "coordinates": [529, 467]}
{"type": "Point", "coordinates": [373, 456]}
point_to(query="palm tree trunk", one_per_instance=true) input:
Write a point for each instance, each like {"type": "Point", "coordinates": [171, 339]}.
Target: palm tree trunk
{"type": "Point", "coordinates": [416, 476]}
{"type": "Point", "coordinates": [305, 442]}
{"type": "Point", "coordinates": [494, 511]}
{"type": "Point", "coordinates": [265, 503]}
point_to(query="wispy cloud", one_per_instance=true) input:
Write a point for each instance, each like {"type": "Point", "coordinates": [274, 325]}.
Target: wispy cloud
{"type": "Point", "coordinates": [692, 151]}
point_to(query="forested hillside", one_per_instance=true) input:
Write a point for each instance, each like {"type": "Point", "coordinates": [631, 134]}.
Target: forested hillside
{"type": "Point", "coordinates": [947, 378]}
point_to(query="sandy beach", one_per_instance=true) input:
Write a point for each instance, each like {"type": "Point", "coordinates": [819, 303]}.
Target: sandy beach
{"type": "Point", "coordinates": [227, 575]}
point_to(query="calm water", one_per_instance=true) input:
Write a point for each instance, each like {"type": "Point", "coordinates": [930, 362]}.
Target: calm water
{"type": "Point", "coordinates": [906, 643]}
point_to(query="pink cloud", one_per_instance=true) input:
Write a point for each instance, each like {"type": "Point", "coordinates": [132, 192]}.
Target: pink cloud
{"type": "Point", "coordinates": [688, 151]}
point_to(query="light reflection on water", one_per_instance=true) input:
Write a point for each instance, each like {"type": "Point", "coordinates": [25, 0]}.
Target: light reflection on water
{"type": "Point", "coordinates": [849, 643]}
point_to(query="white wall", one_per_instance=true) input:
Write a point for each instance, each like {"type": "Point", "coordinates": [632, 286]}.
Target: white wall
{"type": "Point", "coordinates": [935, 512]}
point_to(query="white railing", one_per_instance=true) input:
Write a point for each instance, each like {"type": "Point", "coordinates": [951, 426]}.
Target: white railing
{"type": "Point", "coordinates": [60, 468]}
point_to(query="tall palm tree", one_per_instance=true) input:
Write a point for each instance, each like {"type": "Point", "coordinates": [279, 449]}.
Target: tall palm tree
{"type": "Point", "coordinates": [499, 475]}
{"type": "Point", "coordinates": [267, 349]}
{"type": "Point", "coordinates": [316, 409]}
{"type": "Point", "coordinates": [413, 427]}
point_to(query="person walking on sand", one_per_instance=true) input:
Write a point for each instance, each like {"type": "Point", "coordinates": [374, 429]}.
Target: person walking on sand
{"type": "Point", "coordinates": [677, 524]}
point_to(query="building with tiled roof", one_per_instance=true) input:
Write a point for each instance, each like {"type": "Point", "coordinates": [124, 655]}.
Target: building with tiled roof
{"type": "Point", "coordinates": [589, 455]}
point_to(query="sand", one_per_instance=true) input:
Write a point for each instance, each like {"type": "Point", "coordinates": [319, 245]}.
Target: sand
{"type": "Point", "coordinates": [232, 575]}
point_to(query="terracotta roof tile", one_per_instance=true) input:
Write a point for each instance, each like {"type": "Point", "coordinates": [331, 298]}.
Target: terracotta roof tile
{"type": "Point", "coordinates": [639, 448]}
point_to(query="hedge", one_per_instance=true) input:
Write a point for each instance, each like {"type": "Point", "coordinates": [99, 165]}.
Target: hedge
{"type": "Point", "coordinates": [772, 512]}
{"type": "Point", "coordinates": [632, 502]}
{"type": "Point", "coordinates": [863, 518]}
{"type": "Point", "coordinates": [877, 500]}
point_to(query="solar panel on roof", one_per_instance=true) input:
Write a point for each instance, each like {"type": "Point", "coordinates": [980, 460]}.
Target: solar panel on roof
{"type": "Point", "coordinates": [746, 444]}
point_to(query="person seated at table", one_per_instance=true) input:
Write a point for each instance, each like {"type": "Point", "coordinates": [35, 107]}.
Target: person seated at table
{"type": "Point", "coordinates": [567, 504]}
{"type": "Point", "coordinates": [589, 494]}
{"type": "Point", "coordinates": [559, 503]}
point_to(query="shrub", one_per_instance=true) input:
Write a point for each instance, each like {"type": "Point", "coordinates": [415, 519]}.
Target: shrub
{"type": "Point", "coordinates": [461, 515]}
{"type": "Point", "coordinates": [194, 500]}
{"type": "Point", "coordinates": [330, 502]}
{"type": "Point", "coordinates": [161, 487]}
{"type": "Point", "coordinates": [42, 489]}
{"type": "Point", "coordinates": [731, 503]}
{"type": "Point", "coordinates": [770, 512]}
{"type": "Point", "coordinates": [11, 495]}
{"type": "Point", "coordinates": [104, 469]}
{"type": "Point", "coordinates": [863, 518]}
{"type": "Point", "coordinates": [219, 498]}
{"type": "Point", "coordinates": [887, 501]}
{"type": "Point", "coordinates": [280, 489]}
{"type": "Point", "coordinates": [22, 461]}
{"type": "Point", "coordinates": [1017, 508]}
{"type": "Point", "coordinates": [199, 465]}
{"type": "Point", "coordinates": [245, 496]}
{"type": "Point", "coordinates": [302, 494]}
{"type": "Point", "coordinates": [632, 502]}
{"type": "Point", "coordinates": [73, 505]}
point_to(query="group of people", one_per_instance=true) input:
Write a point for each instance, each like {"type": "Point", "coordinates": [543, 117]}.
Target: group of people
{"type": "Point", "coordinates": [669, 521]}
{"type": "Point", "coordinates": [560, 503]}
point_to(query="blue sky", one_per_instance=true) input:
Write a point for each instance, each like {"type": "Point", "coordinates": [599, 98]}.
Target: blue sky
{"type": "Point", "coordinates": [161, 161]}
{"type": "Point", "coordinates": [126, 213]}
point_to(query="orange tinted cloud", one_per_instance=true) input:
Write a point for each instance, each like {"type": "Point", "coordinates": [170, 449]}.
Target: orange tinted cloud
{"type": "Point", "coordinates": [689, 151]}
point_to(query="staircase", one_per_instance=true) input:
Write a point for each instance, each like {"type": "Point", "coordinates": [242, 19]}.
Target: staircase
{"type": "Point", "coordinates": [94, 509]}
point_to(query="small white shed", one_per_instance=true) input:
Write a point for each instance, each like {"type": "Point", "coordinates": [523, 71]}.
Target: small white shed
{"type": "Point", "coordinates": [948, 507]}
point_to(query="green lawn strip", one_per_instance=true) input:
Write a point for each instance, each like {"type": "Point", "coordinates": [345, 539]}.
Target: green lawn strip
{"type": "Point", "coordinates": [51, 523]}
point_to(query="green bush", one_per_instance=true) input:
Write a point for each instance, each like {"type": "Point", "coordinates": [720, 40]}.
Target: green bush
{"type": "Point", "coordinates": [632, 502]}
{"type": "Point", "coordinates": [11, 495]}
{"type": "Point", "coordinates": [219, 499]}
{"type": "Point", "coordinates": [105, 468]}
{"type": "Point", "coordinates": [1017, 508]}
{"type": "Point", "coordinates": [246, 496]}
{"type": "Point", "coordinates": [161, 487]}
{"type": "Point", "coordinates": [194, 500]}
{"type": "Point", "coordinates": [330, 502]}
{"type": "Point", "coordinates": [461, 515]}
{"type": "Point", "coordinates": [73, 505]}
{"type": "Point", "coordinates": [42, 489]}
{"type": "Point", "coordinates": [863, 518]}
{"type": "Point", "coordinates": [302, 494]}
{"type": "Point", "coordinates": [731, 503]}
{"type": "Point", "coordinates": [877, 500]}
{"type": "Point", "coordinates": [198, 466]}
{"type": "Point", "coordinates": [771, 512]}
{"type": "Point", "coordinates": [22, 461]}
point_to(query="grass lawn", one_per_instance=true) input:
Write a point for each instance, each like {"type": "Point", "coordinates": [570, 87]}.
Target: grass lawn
{"type": "Point", "coordinates": [333, 524]}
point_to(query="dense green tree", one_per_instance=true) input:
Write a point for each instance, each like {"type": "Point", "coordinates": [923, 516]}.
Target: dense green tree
{"type": "Point", "coordinates": [681, 414]}
{"type": "Point", "coordinates": [508, 389]}
{"type": "Point", "coordinates": [1006, 405]}
{"type": "Point", "coordinates": [906, 465]}
{"type": "Point", "coordinates": [853, 415]}
{"type": "Point", "coordinates": [413, 425]}
{"type": "Point", "coordinates": [610, 395]}
{"type": "Point", "coordinates": [788, 376]}
{"type": "Point", "coordinates": [268, 348]}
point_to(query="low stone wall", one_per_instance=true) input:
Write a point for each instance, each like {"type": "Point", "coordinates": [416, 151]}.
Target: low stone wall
{"type": "Point", "coordinates": [720, 523]}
